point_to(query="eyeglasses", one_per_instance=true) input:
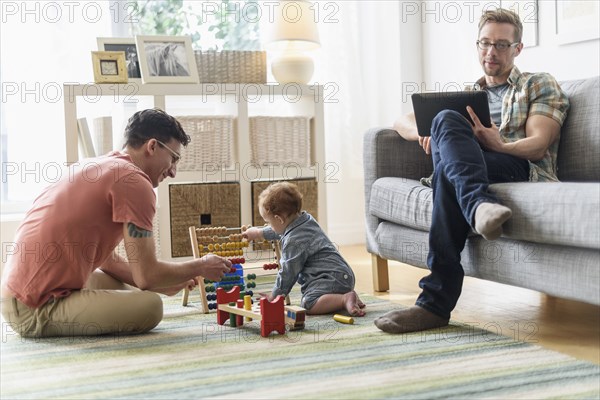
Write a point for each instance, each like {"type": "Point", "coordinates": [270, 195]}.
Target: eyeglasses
{"type": "Point", "coordinates": [500, 46]}
{"type": "Point", "coordinates": [176, 157]}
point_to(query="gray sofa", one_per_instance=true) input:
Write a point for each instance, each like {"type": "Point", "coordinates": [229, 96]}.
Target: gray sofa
{"type": "Point", "coordinates": [552, 242]}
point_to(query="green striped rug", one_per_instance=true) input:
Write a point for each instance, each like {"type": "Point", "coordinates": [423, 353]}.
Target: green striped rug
{"type": "Point", "coordinates": [189, 356]}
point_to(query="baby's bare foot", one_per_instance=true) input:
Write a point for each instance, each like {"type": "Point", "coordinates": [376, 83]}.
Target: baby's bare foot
{"type": "Point", "coordinates": [359, 302]}
{"type": "Point", "coordinates": [351, 302]}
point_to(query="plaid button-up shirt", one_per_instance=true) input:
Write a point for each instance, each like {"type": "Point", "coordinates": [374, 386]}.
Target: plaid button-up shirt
{"type": "Point", "coordinates": [532, 94]}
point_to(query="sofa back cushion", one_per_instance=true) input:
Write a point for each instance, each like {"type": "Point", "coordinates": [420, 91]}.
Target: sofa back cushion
{"type": "Point", "coordinates": [579, 149]}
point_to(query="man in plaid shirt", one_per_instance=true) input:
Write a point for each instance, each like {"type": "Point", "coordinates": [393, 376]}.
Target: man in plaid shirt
{"type": "Point", "coordinates": [527, 113]}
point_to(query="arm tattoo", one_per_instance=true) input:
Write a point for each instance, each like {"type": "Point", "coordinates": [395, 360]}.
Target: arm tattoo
{"type": "Point", "coordinates": [137, 232]}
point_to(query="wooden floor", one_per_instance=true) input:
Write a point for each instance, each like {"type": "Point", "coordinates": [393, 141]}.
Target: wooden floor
{"type": "Point", "coordinates": [563, 325]}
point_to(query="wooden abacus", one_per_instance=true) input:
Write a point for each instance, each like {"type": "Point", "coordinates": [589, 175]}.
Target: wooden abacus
{"type": "Point", "coordinates": [216, 240]}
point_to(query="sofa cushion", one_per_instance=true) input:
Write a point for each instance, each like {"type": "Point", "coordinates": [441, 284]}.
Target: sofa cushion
{"type": "Point", "coordinates": [579, 150]}
{"type": "Point", "coordinates": [554, 213]}
{"type": "Point", "coordinates": [551, 212]}
{"type": "Point", "coordinates": [403, 201]}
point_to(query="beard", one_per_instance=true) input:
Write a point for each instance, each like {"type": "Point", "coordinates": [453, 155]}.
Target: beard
{"type": "Point", "coordinates": [497, 69]}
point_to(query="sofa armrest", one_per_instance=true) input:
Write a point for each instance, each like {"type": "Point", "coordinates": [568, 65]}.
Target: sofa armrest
{"type": "Point", "coordinates": [387, 154]}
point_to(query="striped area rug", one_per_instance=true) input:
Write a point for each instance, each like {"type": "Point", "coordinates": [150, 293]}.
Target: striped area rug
{"type": "Point", "coordinates": [189, 356]}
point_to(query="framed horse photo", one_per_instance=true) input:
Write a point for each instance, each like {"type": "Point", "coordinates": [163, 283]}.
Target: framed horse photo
{"type": "Point", "coordinates": [166, 59]}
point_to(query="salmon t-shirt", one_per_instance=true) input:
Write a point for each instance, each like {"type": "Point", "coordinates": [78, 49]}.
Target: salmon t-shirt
{"type": "Point", "coordinates": [74, 226]}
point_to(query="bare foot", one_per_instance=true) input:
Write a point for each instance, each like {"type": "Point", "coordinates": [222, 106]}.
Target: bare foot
{"type": "Point", "coordinates": [359, 302]}
{"type": "Point", "coordinates": [351, 302]}
{"type": "Point", "coordinates": [413, 319]}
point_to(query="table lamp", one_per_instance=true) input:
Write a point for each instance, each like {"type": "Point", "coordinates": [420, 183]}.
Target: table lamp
{"type": "Point", "coordinates": [292, 32]}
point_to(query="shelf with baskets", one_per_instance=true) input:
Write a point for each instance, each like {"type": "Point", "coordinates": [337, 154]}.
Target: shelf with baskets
{"type": "Point", "coordinates": [245, 145]}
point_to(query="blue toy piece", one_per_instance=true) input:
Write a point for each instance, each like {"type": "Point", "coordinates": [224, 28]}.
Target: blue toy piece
{"type": "Point", "coordinates": [232, 278]}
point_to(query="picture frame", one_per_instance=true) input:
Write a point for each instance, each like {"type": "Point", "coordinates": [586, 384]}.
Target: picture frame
{"type": "Point", "coordinates": [577, 21]}
{"type": "Point", "coordinates": [128, 46]}
{"type": "Point", "coordinates": [167, 59]}
{"type": "Point", "coordinates": [528, 12]}
{"type": "Point", "coordinates": [109, 67]}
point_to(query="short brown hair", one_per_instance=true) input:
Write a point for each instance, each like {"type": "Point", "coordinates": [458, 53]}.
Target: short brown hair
{"type": "Point", "coordinates": [281, 198]}
{"type": "Point", "coordinates": [501, 16]}
{"type": "Point", "coordinates": [153, 123]}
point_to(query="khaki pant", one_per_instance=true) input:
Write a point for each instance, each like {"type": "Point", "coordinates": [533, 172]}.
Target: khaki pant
{"type": "Point", "coordinates": [104, 306]}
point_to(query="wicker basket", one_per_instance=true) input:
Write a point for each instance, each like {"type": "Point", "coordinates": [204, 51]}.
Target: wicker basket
{"type": "Point", "coordinates": [280, 140]}
{"type": "Point", "coordinates": [231, 66]}
{"type": "Point", "coordinates": [212, 142]}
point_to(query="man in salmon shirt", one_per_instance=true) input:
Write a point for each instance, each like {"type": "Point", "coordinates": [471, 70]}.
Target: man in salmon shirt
{"type": "Point", "coordinates": [65, 279]}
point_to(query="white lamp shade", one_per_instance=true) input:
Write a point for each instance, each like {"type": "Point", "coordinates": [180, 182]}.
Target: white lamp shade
{"type": "Point", "coordinates": [293, 27]}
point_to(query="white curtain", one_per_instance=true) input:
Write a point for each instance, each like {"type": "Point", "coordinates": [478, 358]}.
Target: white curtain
{"type": "Point", "coordinates": [359, 64]}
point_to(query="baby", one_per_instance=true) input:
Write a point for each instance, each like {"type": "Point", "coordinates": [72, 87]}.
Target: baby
{"type": "Point", "coordinates": [307, 255]}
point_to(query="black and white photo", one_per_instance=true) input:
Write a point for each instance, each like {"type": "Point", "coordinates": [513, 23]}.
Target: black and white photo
{"type": "Point", "coordinates": [166, 59]}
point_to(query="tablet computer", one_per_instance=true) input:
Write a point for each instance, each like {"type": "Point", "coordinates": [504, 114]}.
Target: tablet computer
{"type": "Point", "coordinates": [427, 105]}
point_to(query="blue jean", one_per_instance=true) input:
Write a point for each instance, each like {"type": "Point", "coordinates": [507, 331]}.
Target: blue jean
{"type": "Point", "coordinates": [462, 174]}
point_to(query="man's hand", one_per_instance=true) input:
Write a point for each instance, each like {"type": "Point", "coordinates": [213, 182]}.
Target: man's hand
{"type": "Point", "coordinates": [173, 290]}
{"type": "Point", "coordinates": [253, 234]}
{"type": "Point", "coordinates": [213, 267]}
{"type": "Point", "coordinates": [488, 138]}
{"type": "Point", "coordinates": [425, 143]}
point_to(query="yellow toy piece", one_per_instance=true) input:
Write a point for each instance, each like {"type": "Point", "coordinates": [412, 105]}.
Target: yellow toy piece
{"type": "Point", "coordinates": [343, 319]}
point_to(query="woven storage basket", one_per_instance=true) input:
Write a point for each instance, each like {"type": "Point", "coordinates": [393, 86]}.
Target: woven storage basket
{"type": "Point", "coordinates": [231, 66]}
{"type": "Point", "coordinates": [212, 142]}
{"type": "Point", "coordinates": [280, 140]}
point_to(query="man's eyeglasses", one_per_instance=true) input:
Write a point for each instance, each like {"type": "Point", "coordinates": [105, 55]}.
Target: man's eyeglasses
{"type": "Point", "coordinates": [500, 46]}
{"type": "Point", "coordinates": [176, 157]}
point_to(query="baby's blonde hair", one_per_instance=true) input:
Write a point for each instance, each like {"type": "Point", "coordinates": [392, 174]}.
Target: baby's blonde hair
{"type": "Point", "coordinates": [281, 198]}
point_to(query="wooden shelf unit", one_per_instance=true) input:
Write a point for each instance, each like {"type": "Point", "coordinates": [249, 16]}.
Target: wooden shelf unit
{"type": "Point", "coordinates": [244, 94]}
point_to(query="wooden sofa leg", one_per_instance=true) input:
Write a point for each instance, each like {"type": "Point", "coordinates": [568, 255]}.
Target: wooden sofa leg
{"type": "Point", "coordinates": [381, 280]}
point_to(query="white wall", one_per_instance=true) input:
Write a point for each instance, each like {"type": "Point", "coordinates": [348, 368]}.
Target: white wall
{"type": "Point", "coordinates": [8, 228]}
{"type": "Point", "coordinates": [449, 51]}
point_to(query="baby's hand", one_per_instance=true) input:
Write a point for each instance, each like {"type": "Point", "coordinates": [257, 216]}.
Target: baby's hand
{"type": "Point", "coordinates": [252, 234]}
{"type": "Point", "coordinates": [265, 295]}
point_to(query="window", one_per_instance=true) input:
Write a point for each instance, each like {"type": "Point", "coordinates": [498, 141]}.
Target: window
{"type": "Point", "coordinates": [44, 44]}
{"type": "Point", "coordinates": [212, 25]}
{"type": "Point", "coordinates": [47, 44]}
